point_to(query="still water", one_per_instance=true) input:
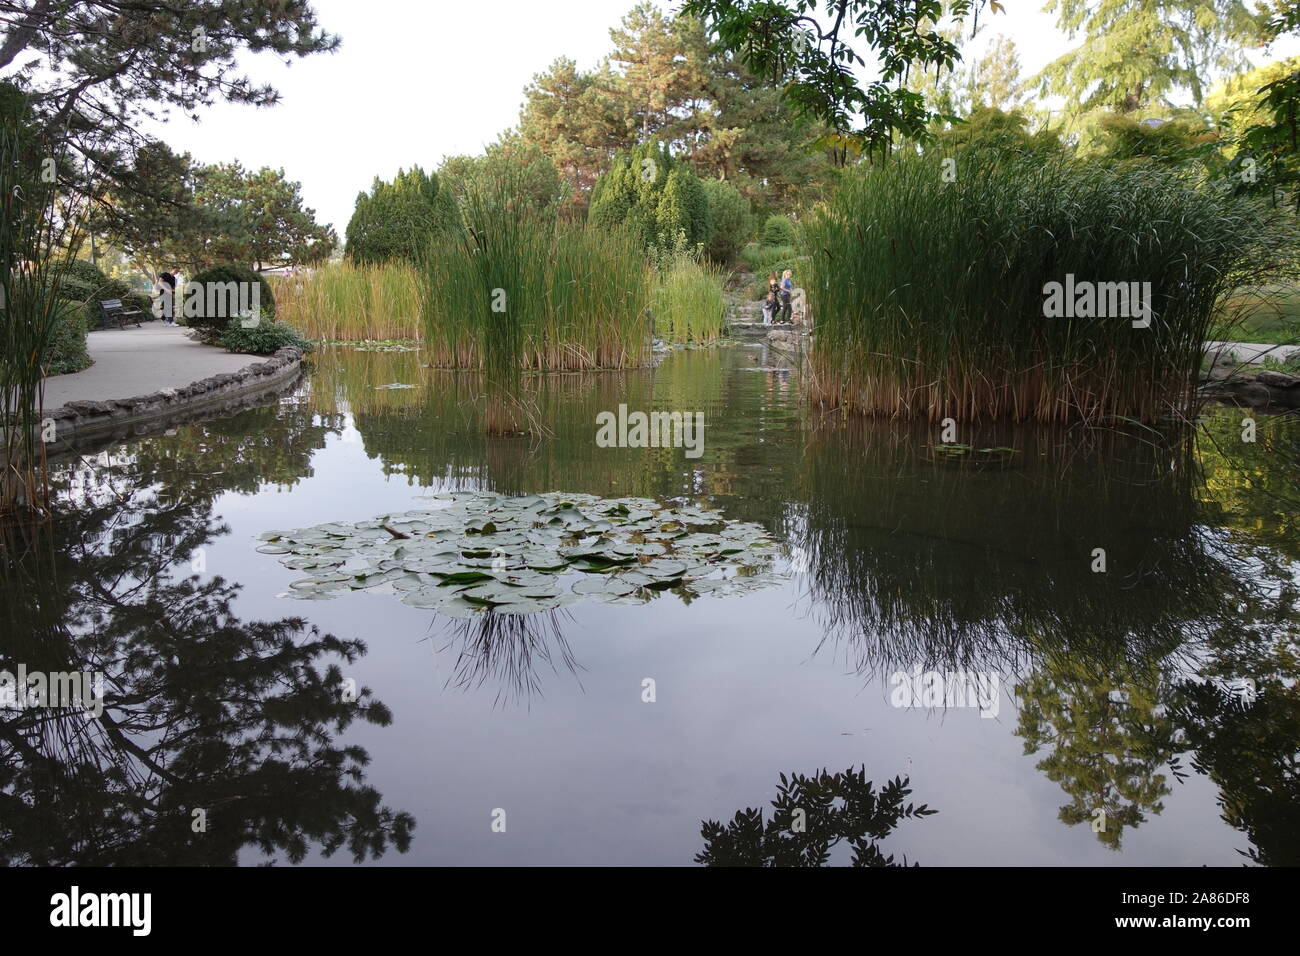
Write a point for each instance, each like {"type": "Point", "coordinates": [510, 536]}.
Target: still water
{"type": "Point", "coordinates": [1120, 608]}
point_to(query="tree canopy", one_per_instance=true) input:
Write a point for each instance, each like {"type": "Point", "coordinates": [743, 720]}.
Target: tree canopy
{"type": "Point", "coordinates": [93, 69]}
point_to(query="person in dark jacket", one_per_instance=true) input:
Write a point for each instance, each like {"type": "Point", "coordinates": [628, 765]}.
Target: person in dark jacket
{"type": "Point", "coordinates": [167, 290]}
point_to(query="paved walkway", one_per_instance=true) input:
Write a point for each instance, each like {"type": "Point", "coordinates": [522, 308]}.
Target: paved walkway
{"type": "Point", "coordinates": [1247, 353]}
{"type": "Point", "coordinates": [131, 362]}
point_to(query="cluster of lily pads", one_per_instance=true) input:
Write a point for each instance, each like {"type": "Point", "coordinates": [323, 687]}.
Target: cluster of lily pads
{"type": "Point", "coordinates": [482, 552]}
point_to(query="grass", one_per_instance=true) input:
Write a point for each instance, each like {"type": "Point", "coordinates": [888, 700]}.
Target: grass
{"type": "Point", "coordinates": [344, 302]}
{"type": "Point", "coordinates": [930, 295]}
{"type": "Point", "coordinates": [688, 302]}
{"type": "Point", "coordinates": [520, 290]}
{"type": "Point", "coordinates": [1267, 315]}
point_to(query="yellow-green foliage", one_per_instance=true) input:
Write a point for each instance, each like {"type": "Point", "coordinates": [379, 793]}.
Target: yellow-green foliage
{"type": "Point", "coordinates": [521, 290]}
{"type": "Point", "coordinates": [688, 303]}
{"type": "Point", "coordinates": [343, 302]}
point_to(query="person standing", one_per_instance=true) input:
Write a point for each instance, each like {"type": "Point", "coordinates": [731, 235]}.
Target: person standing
{"type": "Point", "coordinates": [787, 292]}
{"type": "Point", "coordinates": [772, 300]}
{"type": "Point", "coordinates": [167, 292]}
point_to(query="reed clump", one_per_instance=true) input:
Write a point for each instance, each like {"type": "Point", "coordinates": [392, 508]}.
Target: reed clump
{"type": "Point", "coordinates": [930, 295]}
{"type": "Point", "coordinates": [342, 302]}
{"type": "Point", "coordinates": [689, 305]}
{"type": "Point", "coordinates": [39, 237]}
{"type": "Point", "coordinates": [521, 290]}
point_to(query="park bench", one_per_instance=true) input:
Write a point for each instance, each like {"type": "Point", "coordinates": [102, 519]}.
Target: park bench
{"type": "Point", "coordinates": [112, 310]}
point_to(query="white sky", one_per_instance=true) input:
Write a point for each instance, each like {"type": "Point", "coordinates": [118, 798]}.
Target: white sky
{"type": "Point", "coordinates": [416, 80]}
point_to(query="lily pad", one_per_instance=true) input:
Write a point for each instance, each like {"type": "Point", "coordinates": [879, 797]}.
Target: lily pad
{"type": "Point", "coordinates": [480, 553]}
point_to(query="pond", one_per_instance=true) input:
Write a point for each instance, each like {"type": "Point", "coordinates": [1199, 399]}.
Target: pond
{"type": "Point", "coordinates": [1075, 647]}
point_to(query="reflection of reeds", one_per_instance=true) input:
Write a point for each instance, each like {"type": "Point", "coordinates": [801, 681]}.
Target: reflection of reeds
{"type": "Point", "coordinates": [930, 295]}
{"type": "Point", "coordinates": [508, 649]}
{"type": "Point", "coordinates": [342, 302]}
{"type": "Point", "coordinates": [915, 561]}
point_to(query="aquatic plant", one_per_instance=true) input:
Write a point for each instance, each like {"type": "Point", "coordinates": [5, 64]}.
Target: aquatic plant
{"type": "Point", "coordinates": [517, 555]}
{"type": "Point", "coordinates": [345, 302]}
{"type": "Point", "coordinates": [520, 290]}
{"type": "Point", "coordinates": [38, 238]}
{"type": "Point", "coordinates": [931, 295]}
{"type": "Point", "coordinates": [689, 305]}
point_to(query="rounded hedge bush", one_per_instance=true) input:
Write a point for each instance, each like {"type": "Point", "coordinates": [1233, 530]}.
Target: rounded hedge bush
{"type": "Point", "coordinates": [730, 221]}
{"type": "Point", "coordinates": [210, 309]}
{"type": "Point", "coordinates": [67, 349]}
{"type": "Point", "coordinates": [778, 231]}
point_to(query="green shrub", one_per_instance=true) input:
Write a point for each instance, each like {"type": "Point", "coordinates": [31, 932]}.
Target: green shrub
{"type": "Point", "coordinates": [730, 221]}
{"type": "Point", "coordinates": [778, 231]}
{"type": "Point", "coordinates": [209, 318]}
{"type": "Point", "coordinates": [67, 350]}
{"type": "Point", "coordinates": [74, 290]}
{"type": "Point", "coordinates": [87, 273]}
{"type": "Point", "coordinates": [265, 338]}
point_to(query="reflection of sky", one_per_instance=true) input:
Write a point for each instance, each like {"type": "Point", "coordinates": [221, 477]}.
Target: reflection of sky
{"type": "Point", "coordinates": [587, 773]}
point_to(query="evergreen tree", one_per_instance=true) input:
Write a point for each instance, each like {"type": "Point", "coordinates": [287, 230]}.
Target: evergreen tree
{"type": "Point", "coordinates": [653, 193]}
{"type": "Point", "coordinates": [394, 220]}
{"type": "Point", "coordinates": [730, 219]}
{"type": "Point", "coordinates": [577, 119]}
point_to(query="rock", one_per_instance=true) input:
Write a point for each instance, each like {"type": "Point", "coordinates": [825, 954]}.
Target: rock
{"type": "Point", "coordinates": [1277, 379]}
{"type": "Point", "coordinates": [1254, 394]}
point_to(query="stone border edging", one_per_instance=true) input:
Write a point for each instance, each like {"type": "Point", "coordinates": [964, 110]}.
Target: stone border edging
{"type": "Point", "coordinates": [85, 418]}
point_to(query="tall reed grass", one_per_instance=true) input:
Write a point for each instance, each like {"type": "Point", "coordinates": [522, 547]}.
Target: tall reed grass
{"type": "Point", "coordinates": [689, 305]}
{"type": "Point", "coordinates": [343, 302]}
{"type": "Point", "coordinates": [521, 290]}
{"type": "Point", "coordinates": [930, 295]}
{"type": "Point", "coordinates": [38, 238]}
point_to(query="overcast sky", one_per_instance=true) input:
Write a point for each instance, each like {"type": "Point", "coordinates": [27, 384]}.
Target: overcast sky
{"type": "Point", "coordinates": [417, 80]}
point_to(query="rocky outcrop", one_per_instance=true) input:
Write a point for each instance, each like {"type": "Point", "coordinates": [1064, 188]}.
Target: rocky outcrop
{"type": "Point", "coordinates": [86, 419]}
{"type": "Point", "coordinates": [1262, 389]}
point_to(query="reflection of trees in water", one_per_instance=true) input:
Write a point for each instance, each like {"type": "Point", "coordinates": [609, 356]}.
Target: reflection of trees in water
{"type": "Point", "coordinates": [435, 435]}
{"type": "Point", "coordinates": [1243, 722]}
{"type": "Point", "coordinates": [978, 564]}
{"type": "Point", "coordinates": [1107, 737]}
{"type": "Point", "coordinates": [508, 650]}
{"type": "Point", "coordinates": [810, 817]}
{"type": "Point", "coordinates": [203, 711]}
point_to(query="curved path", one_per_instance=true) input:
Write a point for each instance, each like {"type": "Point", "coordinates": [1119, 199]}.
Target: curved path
{"type": "Point", "coordinates": [137, 361]}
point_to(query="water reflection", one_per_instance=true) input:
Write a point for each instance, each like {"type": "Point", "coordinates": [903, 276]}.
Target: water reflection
{"type": "Point", "coordinates": [216, 734]}
{"type": "Point", "coordinates": [1126, 681]}
{"type": "Point", "coordinates": [1096, 572]}
{"type": "Point", "coordinates": [810, 817]}
{"type": "Point", "coordinates": [508, 651]}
